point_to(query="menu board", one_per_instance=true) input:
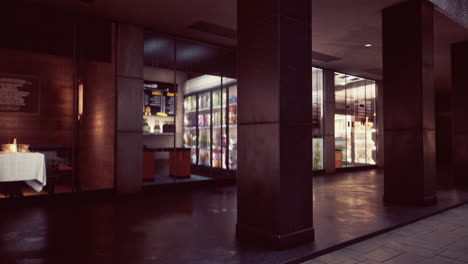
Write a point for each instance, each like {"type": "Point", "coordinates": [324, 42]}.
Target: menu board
{"type": "Point", "coordinates": [160, 98]}
{"type": "Point", "coordinates": [19, 94]}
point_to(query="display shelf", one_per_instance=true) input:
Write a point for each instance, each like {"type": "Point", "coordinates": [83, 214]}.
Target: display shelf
{"type": "Point", "coordinates": [217, 107]}
{"type": "Point", "coordinates": [232, 125]}
{"type": "Point", "coordinates": [204, 148]}
{"type": "Point", "coordinates": [190, 111]}
{"type": "Point", "coordinates": [232, 104]}
{"type": "Point", "coordinates": [204, 109]}
{"type": "Point", "coordinates": [157, 134]}
{"type": "Point", "coordinates": [190, 128]}
{"type": "Point", "coordinates": [205, 127]}
{"type": "Point", "coordinates": [159, 117]}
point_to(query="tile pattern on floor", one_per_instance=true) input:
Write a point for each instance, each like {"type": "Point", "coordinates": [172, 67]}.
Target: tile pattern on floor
{"type": "Point", "coordinates": [439, 239]}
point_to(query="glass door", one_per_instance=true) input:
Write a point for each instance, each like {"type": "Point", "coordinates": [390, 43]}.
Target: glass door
{"type": "Point", "coordinates": [224, 128]}
{"type": "Point", "coordinates": [355, 134]}
{"type": "Point", "coordinates": [190, 126]}
{"type": "Point", "coordinates": [371, 132]}
{"type": "Point", "coordinates": [359, 87]}
{"type": "Point", "coordinates": [340, 121]}
{"type": "Point", "coordinates": [232, 126]}
{"type": "Point", "coordinates": [204, 127]}
{"type": "Point", "coordinates": [217, 145]}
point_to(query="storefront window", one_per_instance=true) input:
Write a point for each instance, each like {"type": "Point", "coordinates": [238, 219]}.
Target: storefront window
{"type": "Point", "coordinates": [355, 130]}
{"type": "Point", "coordinates": [57, 87]}
{"type": "Point", "coordinates": [203, 85]}
{"type": "Point", "coordinates": [317, 118]}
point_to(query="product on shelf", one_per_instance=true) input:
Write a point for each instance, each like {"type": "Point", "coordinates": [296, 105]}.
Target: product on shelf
{"type": "Point", "coordinates": [204, 158]}
{"type": "Point", "coordinates": [204, 141]}
{"type": "Point", "coordinates": [232, 99]}
{"type": "Point", "coordinates": [201, 121]}
{"type": "Point", "coordinates": [216, 99]}
{"type": "Point", "coordinates": [215, 159]}
{"type": "Point", "coordinates": [233, 143]}
{"type": "Point", "coordinates": [188, 139]}
{"type": "Point", "coordinates": [146, 127]}
{"type": "Point", "coordinates": [216, 118]}
{"type": "Point", "coordinates": [156, 128]}
{"type": "Point", "coordinates": [207, 120]}
{"type": "Point", "coordinates": [232, 115]}
{"type": "Point", "coordinates": [233, 162]}
{"type": "Point", "coordinates": [193, 103]}
{"type": "Point", "coordinates": [194, 157]}
{"type": "Point", "coordinates": [216, 142]}
{"type": "Point", "coordinates": [204, 101]}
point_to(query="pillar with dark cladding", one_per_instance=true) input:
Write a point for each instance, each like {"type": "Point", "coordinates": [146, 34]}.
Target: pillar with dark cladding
{"type": "Point", "coordinates": [274, 174]}
{"type": "Point", "coordinates": [460, 112]}
{"type": "Point", "coordinates": [409, 114]}
{"type": "Point", "coordinates": [129, 156]}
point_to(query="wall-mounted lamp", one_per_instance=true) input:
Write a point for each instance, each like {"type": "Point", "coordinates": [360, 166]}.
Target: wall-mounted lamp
{"type": "Point", "coordinates": [80, 100]}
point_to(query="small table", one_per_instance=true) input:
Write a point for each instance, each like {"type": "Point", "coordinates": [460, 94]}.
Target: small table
{"type": "Point", "coordinates": [27, 167]}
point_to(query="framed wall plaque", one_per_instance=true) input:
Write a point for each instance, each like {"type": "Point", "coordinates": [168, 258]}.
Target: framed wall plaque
{"type": "Point", "coordinates": [19, 94]}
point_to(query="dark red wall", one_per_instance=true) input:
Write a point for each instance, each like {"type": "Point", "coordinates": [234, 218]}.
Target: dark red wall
{"type": "Point", "coordinates": [54, 122]}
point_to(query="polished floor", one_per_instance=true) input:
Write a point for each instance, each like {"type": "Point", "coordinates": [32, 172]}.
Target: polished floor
{"type": "Point", "coordinates": [439, 239]}
{"type": "Point", "coordinates": [195, 226]}
{"type": "Point", "coordinates": [166, 179]}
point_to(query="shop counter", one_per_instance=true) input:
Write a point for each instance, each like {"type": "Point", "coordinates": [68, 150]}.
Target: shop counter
{"type": "Point", "coordinates": [179, 162]}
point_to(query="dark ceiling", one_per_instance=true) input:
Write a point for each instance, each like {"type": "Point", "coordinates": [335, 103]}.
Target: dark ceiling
{"type": "Point", "coordinates": [340, 28]}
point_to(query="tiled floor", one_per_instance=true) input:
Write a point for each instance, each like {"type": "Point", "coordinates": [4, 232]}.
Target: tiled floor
{"type": "Point", "coordinates": [196, 226]}
{"type": "Point", "coordinates": [440, 239]}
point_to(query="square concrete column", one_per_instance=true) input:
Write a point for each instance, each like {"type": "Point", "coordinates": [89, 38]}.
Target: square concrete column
{"type": "Point", "coordinates": [129, 158]}
{"type": "Point", "coordinates": [274, 174]}
{"type": "Point", "coordinates": [460, 112]}
{"type": "Point", "coordinates": [329, 121]}
{"type": "Point", "coordinates": [409, 114]}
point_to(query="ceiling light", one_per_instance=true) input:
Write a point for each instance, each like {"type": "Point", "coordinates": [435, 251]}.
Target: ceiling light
{"type": "Point", "coordinates": [368, 45]}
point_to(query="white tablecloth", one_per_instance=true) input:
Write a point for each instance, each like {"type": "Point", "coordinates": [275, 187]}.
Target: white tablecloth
{"type": "Point", "coordinates": [28, 167]}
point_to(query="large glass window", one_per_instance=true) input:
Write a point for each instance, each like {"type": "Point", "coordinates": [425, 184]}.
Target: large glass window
{"type": "Point", "coordinates": [57, 111]}
{"type": "Point", "coordinates": [355, 132]}
{"type": "Point", "coordinates": [317, 118]}
{"type": "Point", "coordinates": [201, 76]}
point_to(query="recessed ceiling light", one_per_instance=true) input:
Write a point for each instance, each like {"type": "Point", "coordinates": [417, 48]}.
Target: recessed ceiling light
{"type": "Point", "coordinates": [368, 45]}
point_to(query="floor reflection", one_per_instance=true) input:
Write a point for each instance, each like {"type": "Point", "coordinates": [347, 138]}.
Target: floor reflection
{"type": "Point", "coordinates": [195, 226]}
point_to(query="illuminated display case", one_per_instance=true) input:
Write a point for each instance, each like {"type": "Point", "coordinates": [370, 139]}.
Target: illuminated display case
{"type": "Point", "coordinates": [215, 112]}
{"type": "Point", "coordinates": [355, 132]}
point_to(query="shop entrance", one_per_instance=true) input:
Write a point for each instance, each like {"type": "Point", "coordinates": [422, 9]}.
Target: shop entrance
{"type": "Point", "coordinates": [355, 121]}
